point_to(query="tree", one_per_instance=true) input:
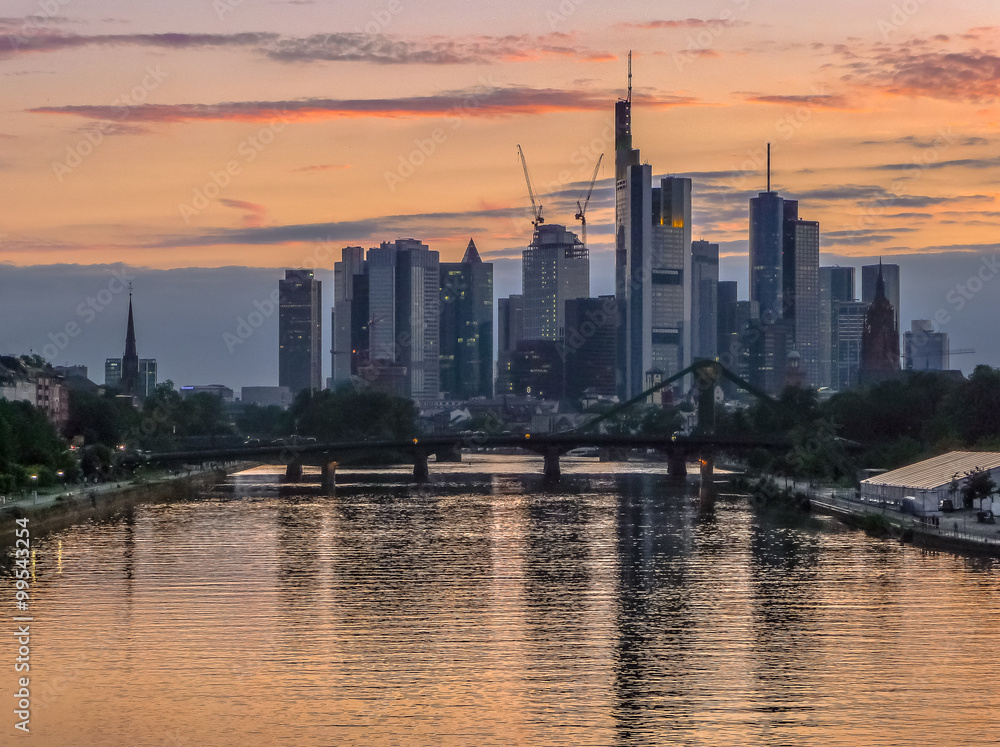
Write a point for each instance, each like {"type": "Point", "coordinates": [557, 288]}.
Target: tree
{"type": "Point", "coordinates": [979, 485]}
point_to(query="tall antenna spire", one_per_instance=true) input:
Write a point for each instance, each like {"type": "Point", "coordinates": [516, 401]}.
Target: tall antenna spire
{"type": "Point", "coordinates": [629, 98]}
{"type": "Point", "coordinates": [768, 167]}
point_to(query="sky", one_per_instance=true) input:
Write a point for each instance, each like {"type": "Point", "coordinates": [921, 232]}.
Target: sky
{"type": "Point", "coordinates": [196, 148]}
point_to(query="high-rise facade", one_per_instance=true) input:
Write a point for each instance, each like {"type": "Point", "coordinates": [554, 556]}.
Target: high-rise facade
{"type": "Point", "coordinates": [924, 349]}
{"type": "Point", "coordinates": [653, 265]}
{"type": "Point", "coordinates": [849, 325]}
{"type": "Point", "coordinates": [351, 265]}
{"type": "Point", "coordinates": [467, 326]}
{"type": "Point", "coordinates": [800, 288]}
{"type": "Point", "coordinates": [589, 347]}
{"type": "Point", "coordinates": [300, 329]}
{"type": "Point", "coordinates": [555, 267]}
{"type": "Point", "coordinates": [704, 300]}
{"type": "Point", "coordinates": [404, 288]}
{"type": "Point", "coordinates": [784, 281]}
{"type": "Point", "coordinates": [836, 286]}
{"type": "Point", "coordinates": [510, 331]}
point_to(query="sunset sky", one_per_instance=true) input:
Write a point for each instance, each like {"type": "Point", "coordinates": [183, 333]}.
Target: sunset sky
{"type": "Point", "coordinates": [218, 133]}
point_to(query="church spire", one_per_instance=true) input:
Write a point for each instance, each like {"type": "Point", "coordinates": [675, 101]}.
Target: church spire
{"type": "Point", "coordinates": [130, 361]}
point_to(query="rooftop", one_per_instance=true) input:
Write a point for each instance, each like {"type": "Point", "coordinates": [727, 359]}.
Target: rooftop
{"type": "Point", "coordinates": [938, 471]}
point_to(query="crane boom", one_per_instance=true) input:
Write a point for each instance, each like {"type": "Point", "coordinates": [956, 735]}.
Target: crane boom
{"type": "Point", "coordinates": [581, 210]}
{"type": "Point", "coordinates": [536, 209]}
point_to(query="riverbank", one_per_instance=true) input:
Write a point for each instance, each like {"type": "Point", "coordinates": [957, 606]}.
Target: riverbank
{"type": "Point", "coordinates": [957, 531]}
{"type": "Point", "coordinates": [51, 512]}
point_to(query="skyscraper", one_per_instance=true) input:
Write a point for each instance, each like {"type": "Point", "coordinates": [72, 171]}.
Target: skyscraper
{"type": "Point", "coordinates": [467, 326]}
{"type": "Point", "coordinates": [767, 213]}
{"type": "Point", "coordinates": [404, 288]}
{"type": "Point", "coordinates": [299, 331]}
{"type": "Point", "coordinates": [800, 288]}
{"type": "Point", "coordinates": [510, 331]}
{"type": "Point", "coordinates": [351, 265]}
{"type": "Point", "coordinates": [555, 267]}
{"type": "Point", "coordinates": [848, 330]}
{"type": "Point", "coordinates": [704, 300]}
{"type": "Point", "coordinates": [589, 347]}
{"type": "Point", "coordinates": [652, 265]}
{"type": "Point", "coordinates": [836, 286]}
{"type": "Point", "coordinates": [924, 349]}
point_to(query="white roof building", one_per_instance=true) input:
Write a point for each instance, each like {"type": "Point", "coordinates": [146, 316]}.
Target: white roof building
{"type": "Point", "coordinates": [929, 481]}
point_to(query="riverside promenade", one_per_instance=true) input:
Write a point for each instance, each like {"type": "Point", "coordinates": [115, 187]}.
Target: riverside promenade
{"type": "Point", "coordinates": [956, 530]}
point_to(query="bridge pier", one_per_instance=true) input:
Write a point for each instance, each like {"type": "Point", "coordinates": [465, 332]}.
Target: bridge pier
{"type": "Point", "coordinates": [552, 463]}
{"type": "Point", "coordinates": [329, 478]}
{"type": "Point", "coordinates": [706, 490]}
{"type": "Point", "coordinates": [677, 463]}
{"type": "Point", "coordinates": [420, 472]}
{"type": "Point", "coordinates": [293, 471]}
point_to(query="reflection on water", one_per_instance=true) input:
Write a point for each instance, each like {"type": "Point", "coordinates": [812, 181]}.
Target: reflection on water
{"type": "Point", "coordinates": [490, 609]}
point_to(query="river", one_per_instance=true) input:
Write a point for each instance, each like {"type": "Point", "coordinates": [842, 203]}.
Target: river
{"type": "Point", "coordinates": [486, 609]}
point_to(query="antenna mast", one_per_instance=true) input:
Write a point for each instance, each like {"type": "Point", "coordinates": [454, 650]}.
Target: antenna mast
{"type": "Point", "coordinates": [768, 167]}
{"type": "Point", "coordinates": [629, 98]}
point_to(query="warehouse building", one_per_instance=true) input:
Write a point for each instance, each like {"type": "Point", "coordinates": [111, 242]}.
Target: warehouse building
{"type": "Point", "coordinates": [929, 482]}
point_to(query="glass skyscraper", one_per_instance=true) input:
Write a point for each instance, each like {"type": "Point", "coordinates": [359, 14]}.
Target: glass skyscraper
{"type": "Point", "coordinates": [300, 327]}
{"type": "Point", "coordinates": [555, 267]}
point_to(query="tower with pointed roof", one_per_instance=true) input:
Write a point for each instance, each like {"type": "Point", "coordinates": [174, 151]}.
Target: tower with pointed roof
{"type": "Point", "coordinates": [880, 337]}
{"type": "Point", "coordinates": [130, 361]}
{"type": "Point", "coordinates": [467, 326]}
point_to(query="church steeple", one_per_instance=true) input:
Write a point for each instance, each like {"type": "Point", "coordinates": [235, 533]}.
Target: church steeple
{"type": "Point", "coordinates": [130, 361]}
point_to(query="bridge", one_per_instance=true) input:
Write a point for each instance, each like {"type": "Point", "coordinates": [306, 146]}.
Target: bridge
{"type": "Point", "coordinates": [703, 443]}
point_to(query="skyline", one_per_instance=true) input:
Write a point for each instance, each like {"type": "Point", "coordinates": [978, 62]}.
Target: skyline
{"type": "Point", "coordinates": [395, 124]}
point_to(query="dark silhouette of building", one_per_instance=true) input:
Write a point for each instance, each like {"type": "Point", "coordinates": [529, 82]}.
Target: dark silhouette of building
{"type": "Point", "coordinates": [924, 349]}
{"type": "Point", "coordinates": [510, 331]}
{"type": "Point", "coordinates": [800, 289]}
{"type": "Point", "coordinates": [589, 347]}
{"type": "Point", "coordinates": [704, 300]}
{"type": "Point", "coordinates": [879, 339]}
{"type": "Point", "coordinates": [299, 331]}
{"type": "Point", "coordinates": [537, 369]}
{"type": "Point", "coordinates": [343, 352]}
{"type": "Point", "coordinates": [836, 286]}
{"type": "Point", "coordinates": [467, 326]}
{"type": "Point", "coordinates": [130, 361]}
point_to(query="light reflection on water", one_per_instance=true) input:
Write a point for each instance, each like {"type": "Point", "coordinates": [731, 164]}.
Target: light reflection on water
{"type": "Point", "coordinates": [490, 610]}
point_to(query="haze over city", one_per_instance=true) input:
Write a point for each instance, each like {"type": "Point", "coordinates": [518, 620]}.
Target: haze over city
{"type": "Point", "coordinates": [243, 137]}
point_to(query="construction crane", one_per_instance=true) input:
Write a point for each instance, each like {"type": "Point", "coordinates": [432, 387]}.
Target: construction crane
{"type": "Point", "coordinates": [962, 351]}
{"type": "Point", "coordinates": [536, 208]}
{"type": "Point", "coordinates": [581, 210]}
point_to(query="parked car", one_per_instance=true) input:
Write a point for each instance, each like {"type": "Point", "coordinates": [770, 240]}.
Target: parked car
{"type": "Point", "coordinates": [985, 517]}
{"type": "Point", "coordinates": [946, 505]}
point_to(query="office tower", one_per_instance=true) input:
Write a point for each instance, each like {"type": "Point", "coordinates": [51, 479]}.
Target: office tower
{"type": "Point", "coordinates": [768, 347]}
{"type": "Point", "coordinates": [300, 326]}
{"type": "Point", "coordinates": [849, 325]}
{"type": "Point", "coordinates": [555, 268]}
{"type": "Point", "coordinates": [800, 289]}
{"type": "Point", "coordinates": [538, 370]}
{"type": "Point", "coordinates": [890, 278]}
{"type": "Point", "coordinates": [747, 322]}
{"type": "Point", "coordinates": [467, 326]}
{"type": "Point", "coordinates": [767, 212]}
{"type": "Point", "coordinates": [725, 314]}
{"type": "Point", "coordinates": [652, 265]}
{"type": "Point", "coordinates": [510, 331]}
{"type": "Point", "coordinates": [351, 265]}
{"type": "Point", "coordinates": [404, 289]}
{"type": "Point", "coordinates": [836, 286]}
{"type": "Point", "coordinates": [113, 373]}
{"type": "Point", "coordinates": [880, 339]}
{"type": "Point", "coordinates": [589, 347]}
{"type": "Point", "coordinates": [704, 300]}
{"type": "Point", "coordinates": [924, 349]}
{"type": "Point", "coordinates": [147, 377]}
{"type": "Point", "coordinates": [129, 385]}
{"type": "Point", "coordinates": [360, 318]}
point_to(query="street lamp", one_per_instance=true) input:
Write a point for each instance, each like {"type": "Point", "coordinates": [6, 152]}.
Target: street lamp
{"type": "Point", "coordinates": [34, 488]}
